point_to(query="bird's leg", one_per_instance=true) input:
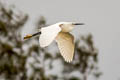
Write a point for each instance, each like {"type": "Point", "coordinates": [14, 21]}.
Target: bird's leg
{"type": "Point", "coordinates": [31, 35]}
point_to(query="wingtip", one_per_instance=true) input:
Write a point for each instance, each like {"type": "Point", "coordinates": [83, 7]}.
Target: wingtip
{"type": "Point", "coordinates": [68, 60]}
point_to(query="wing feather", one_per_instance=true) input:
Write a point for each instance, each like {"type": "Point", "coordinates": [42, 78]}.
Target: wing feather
{"type": "Point", "coordinates": [48, 34]}
{"type": "Point", "coordinates": [65, 43]}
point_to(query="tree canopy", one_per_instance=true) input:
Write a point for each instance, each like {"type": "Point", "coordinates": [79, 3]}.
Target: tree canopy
{"type": "Point", "coordinates": [26, 60]}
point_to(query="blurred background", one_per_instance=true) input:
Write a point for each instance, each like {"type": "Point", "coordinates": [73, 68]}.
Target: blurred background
{"type": "Point", "coordinates": [96, 43]}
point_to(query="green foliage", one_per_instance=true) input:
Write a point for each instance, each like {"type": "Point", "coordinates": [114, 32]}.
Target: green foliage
{"type": "Point", "coordinates": [25, 60]}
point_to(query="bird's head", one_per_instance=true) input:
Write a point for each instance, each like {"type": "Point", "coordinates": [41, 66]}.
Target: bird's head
{"type": "Point", "coordinates": [68, 26]}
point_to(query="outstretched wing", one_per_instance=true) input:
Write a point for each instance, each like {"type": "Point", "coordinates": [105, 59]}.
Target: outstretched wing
{"type": "Point", "coordinates": [65, 43]}
{"type": "Point", "coordinates": [48, 34]}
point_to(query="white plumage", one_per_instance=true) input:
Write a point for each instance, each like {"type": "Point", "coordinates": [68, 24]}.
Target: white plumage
{"type": "Point", "coordinates": [48, 34]}
{"type": "Point", "coordinates": [65, 43]}
{"type": "Point", "coordinates": [60, 33]}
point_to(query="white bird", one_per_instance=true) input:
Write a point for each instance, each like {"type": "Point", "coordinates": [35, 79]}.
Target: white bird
{"type": "Point", "coordinates": [60, 33]}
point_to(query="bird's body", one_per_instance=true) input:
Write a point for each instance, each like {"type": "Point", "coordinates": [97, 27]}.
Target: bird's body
{"type": "Point", "coordinates": [60, 33]}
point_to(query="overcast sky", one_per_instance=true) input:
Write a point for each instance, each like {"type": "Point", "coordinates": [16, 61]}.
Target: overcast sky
{"type": "Point", "coordinates": [102, 19]}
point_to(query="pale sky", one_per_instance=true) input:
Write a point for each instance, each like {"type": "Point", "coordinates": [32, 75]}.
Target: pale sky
{"type": "Point", "coordinates": [102, 19]}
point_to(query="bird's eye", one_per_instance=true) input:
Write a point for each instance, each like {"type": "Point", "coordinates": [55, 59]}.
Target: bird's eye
{"type": "Point", "coordinates": [61, 25]}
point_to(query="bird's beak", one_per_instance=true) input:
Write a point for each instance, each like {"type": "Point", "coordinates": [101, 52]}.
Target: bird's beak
{"type": "Point", "coordinates": [31, 35]}
{"type": "Point", "coordinates": [78, 23]}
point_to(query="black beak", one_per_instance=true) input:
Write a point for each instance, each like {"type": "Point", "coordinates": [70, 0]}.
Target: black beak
{"type": "Point", "coordinates": [78, 23]}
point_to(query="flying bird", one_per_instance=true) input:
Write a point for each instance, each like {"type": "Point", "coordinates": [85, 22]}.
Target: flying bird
{"type": "Point", "coordinates": [60, 33]}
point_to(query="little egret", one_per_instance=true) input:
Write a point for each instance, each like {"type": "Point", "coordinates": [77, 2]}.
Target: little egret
{"type": "Point", "coordinates": [60, 33]}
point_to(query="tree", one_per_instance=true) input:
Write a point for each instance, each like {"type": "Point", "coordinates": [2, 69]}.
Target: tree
{"type": "Point", "coordinates": [25, 60]}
